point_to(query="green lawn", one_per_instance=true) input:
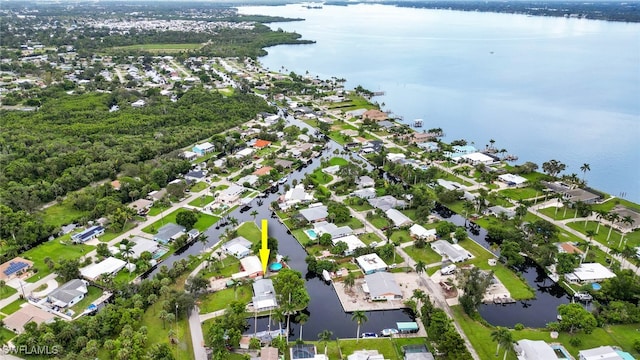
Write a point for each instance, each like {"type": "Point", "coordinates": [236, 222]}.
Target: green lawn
{"type": "Point", "coordinates": [156, 209]}
{"type": "Point", "coordinates": [93, 294]}
{"type": "Point", "coordinates": [378, 221]}
{"type": "Point", "coordinates": [560, 214]}
{"type": "Point", "coordinates": [321, 177]}
{"type": "Point", "coordinates": [7, 291]}
{"type": "Point", "coordinates": [161, 48]}
{"type": "Point", "coordinates": [427, 255]}
{"type": "Point", "coordinates": [384, 346]}
{"type": "Point", "coordinates": [368, 238]}
{"type": "Point", "coordinates": [401, 236]}
{"type": "Point", "coordinates": [478, 334]}
{"type": "Point", "coordinates": [353, 223]}
{"type": "Point", "coordinates": [229, 265]}
{"type": "Point", "coordinates": [62, 214]}
{"type": "Point", "coordinates": [632, 239]}
{"type": "Point", "coordinates": [110, 234]}
{"type": "Point", "coordinates": [221, 299]}
{"type": "Point", "coordinates": [6, 335]}
{"type": "Point", "coordinates": [250, 231]}
{"type": "Point", "coordinates": [337, 161]}
{"type": "Point", "coordinates": [520, 193]}
{"type": "Point", "coordinates": [202, 201]}
{"type": "Point", "coordinates": [204, 221]}
{"type": "Point", "coordinates": [199, 186]}
{"type": "Point", "coordinates": [518, 288]}
{"type": "Point", "coordinates": [353, 202]}
{"type": "Point", "coordinates": [13, 307]}
{"type": "Point", "coordinates": [56, 251]}
{"type": "Point", "coordinates": [159, 332]}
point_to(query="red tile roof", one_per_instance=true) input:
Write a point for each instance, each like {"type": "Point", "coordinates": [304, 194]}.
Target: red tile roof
{"type": "Point", "coordinates": [263, 171]}
{"type": "Point", "coordinates": [262, 143]}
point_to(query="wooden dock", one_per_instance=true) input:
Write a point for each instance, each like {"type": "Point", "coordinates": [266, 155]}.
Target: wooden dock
{"type": "Point", "coordinates": [503, 300]}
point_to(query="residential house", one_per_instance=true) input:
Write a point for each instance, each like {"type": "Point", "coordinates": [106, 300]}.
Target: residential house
{"type": "Point", "coordinates": [157, 195]}
{"type": "Point", "coordinates": [115, 184]}
{"type": "Point", "coordinates": [371, 263]}
{"type": "Point", "coordinates": [512, 180]}
{"type": "Point", "coordinates": [331, 169]}
{"type": "Point", "coordinates": [169, 232]}
{"type": "Point", "coordinates": [419, 232]}
{"type": "Point", "coordinates": [375, 115]}
{"type": "Point", "coordinates": [203, 148]}
{"type": "Point", "coordinates": [264, 295]}
{"type": "Point", "coordinates": [265, 170]}
{"type": "Point", "coordinates": [26, 314]}
{"type": "Point", "coordinates": [418, 138]}
{"type": "Point", "coordinates": [589, 273]}
{"type": "Point", "coordinates": [365, 355]}
{"type": "Point", "coordinates": [386, 202]}
{"type": "Point", "coordinates": [230, 194]}
{"type": "Point", "coordinates": [315, 213]}
{"type": "Point", "coordinates": [68, 294]}
{"type": "Point", "coordinates": [87, 234]}
{"type": "Point", "coordinates": [138, 103]}
{"type": "Point", "coordinates": [305, 352]}
{"type": "Point", "coordinates": [251, 268]}
{"type": "Point", "coordinates": [534, 350]}
{"type": "Point", "coordinates": [285, 164]}
{"type": "Point", "coordinates": [195, 176]}
{"type": "Point", "coordinates": [366, 193]}
{"type": "Point", "coordinates": [269, 353]}
{"type": "Point", "coordinates": [365, 182]}
{"type": "Point", "coordinates": [193, 234]}
{"type": "Point", "coordinates": [387, 125]}
{"type": "Point", "coordinates": [141, 245]}
{"type": "Point", "coordinates": [450, 185]}
{"type": "Point", "coordinates": [603, 353]}
{"type": "Point", "coordinates": [453, 252]}
{"type": "Point", "coordinates": [355, 113]}
{"type": "Point", "coordinates": [14, 268]}
{"type": "Point", "coordinates": [499, 211]}
{"type": "Point", "coordinates": [382, 286]}
{"type": "Point", "coordinates": [477, 158]}
{"type": "Point", "coordinates": [244, 153]}
{"type": "Point", "coordinates": [238, 247]}
{"type": "Point", "coordinates": [189, 155]}
{"type": "Point", "coordinates": [108, 266]}
{"type": "Point", "coordinates": [250, 180]}
{"type": "Point", "coordinates": [569, 248]}
{"type": "Point", "coordinates": [352, 242]}
{"type": "Point", "coordinates": [428, 146]}
{"type": "Point", "coordinates": [397, 218]}
{"type": "Point", "coordinates": [295, 195]}
{"type": "Point", "coordinates": [141, 206]}
{"type": "Point", "coordinates": [261, 144]}
{"type": "Point", "coordinates": [416, 352]}
{"type": "Point", "coordinates": [323, 227]}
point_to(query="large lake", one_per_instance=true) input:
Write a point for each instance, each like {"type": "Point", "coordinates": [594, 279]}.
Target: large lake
{"type": "Point", "coordinates": [543, 88]}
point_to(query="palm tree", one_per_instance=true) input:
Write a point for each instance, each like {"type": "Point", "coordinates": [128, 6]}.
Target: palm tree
{"type": "Point", "coordinates": [420, 297]}
{"type": "Point", "coordinates": [600, 214]}
{"type": "Point", "coordinates": [324, 337]}
{"type": "Point", "coordinates": [254, 213]}
{"type": "Point", "coordinates": [50, 264]}
{"type": "Point", "coordinates": [500, 335]}
{"type": "Point", "coordinates": [302, 318]}
{"type": "Point", "coordinates": [2, 285]}
{"type": "Point", "coordinates": [349, 281]}
{"type": "Point", "coordinates": [360, 317]}
{"type": "Point", "coordinates": [506, 342]}
{"type": "Point", "coordinates": [203, 240]}
{"type": "Point", "coordinates": [163, 316]}
{"type": "Point", "coordinates": [421, 267]}
{"type": "Point", "coordinates": [613, 218]}
{"type": "Point", "coordinates": [584, 168]}
{"type": "Point", "coordinates": [233, 221]}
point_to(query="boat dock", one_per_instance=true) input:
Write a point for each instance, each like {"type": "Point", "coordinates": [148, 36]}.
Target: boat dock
{"type": "Point", "coordinates": [503, 300]}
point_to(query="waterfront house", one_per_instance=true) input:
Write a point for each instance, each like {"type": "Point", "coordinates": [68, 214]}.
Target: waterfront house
{"type": "Point", "coordinates": [264, 295]}
{"type": "Point", "coordinates": [305, 352]}
{"type": "Point", "coordinates": [534, 350]}
{"type": "Point", "coordinates": [238, 247]}
{"type": "Point", "coordinates": [265, 170]}
{"type": "Point", "coordinates": [169, 232]}
{"type": "Point", "coordinates": [230, 194]}
{"type": "Point", "coordinates": [397, 218]}
{"type": "Point", "coordinates": [375, 115]}
{"type": "Point", "coordinates": [365, 182]}
{"type": "Point", "coordinates": [285, 164]}
{"type": "Point", "coordinates": [382, 286]}
{"type": "Point", "coordinates": [386, 202]}
{"type": "Point", "coordinates": [366, 355]}
{"type": "Point", "coordinates": [416, 352]}
{"type": "Point", "coordinates": [352, 242]}
{"type": "Point", "coordinates": [419, 232]}
{"type": "Point", "coordinates": [315, 213]}
{"type": "Point", "coordinates": [512, 180]}
{"type": "Point", "coordinates": [251, 268]}
{"type": "Point", "coordinates": [589, 273]}
{"type": "Point", "coordinates": [453, 252]}
{"type": "Point", "coordinates": [371, 263]}
{"type": "Point", "coordinates": [295, 195]}
{"type": "Point", "coordinates": [603, 353]}
{"type": "Point", "coordinates": [108, 266]}
{"type": "Point", "coordinates": [141, 245]}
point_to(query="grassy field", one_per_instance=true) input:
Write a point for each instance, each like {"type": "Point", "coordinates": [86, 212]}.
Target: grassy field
{"type": "Point", "coordinates": [379, 221]}
{"type": "Point", "coordinates": [321, 177]}
{"type": "Point", "coordinates": [368, 238]}
{"type": "Point", "coordinates": [199, 186]}
{"type": "Point", "coordinates": [353, 223]}
{"type": "Point", "coordinates": [519, 193]}
{"type": "Point", "coordinates": [427, 254]}
{"type": "Point", "coordinates": [401, 236]}
{"type": "Point", "coordinates": [518, 288]}
{"type": "Point", "coordinates": [204, 222]}
{"type": "Point", "coordinates": [158, 332]}
{"type": "Point", "coordinates": [337, 161]}
{"type": "Point", "coordinates": [632, 239]}
{"type": "Point", "coordinates": [202, 201]}
{"type": "Point", "coordinates": [93, 294]}
{"type": "Point", "coordinates": [5, 335]}
{"type": "Point", "coordinates": [250, 231]}
{"type": "Point", "coordinates": [13, 307]}
{"type": "Point", "coordinates": [56, 251]}
{"type": "Point", "coordinates": [160, 48]}
{"type": "Point", "coordinates": [221, 299]}
{"type": "Point", "coordinates": [61, 214]}
{"type": "Point", "coordinates": [385, 346]}
{"type": "Point", "coordinates": [7, 291]}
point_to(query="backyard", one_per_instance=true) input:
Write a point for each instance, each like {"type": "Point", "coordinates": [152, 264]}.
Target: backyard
{"type": "Point", "coordinates": [205, 221]}
{"type": "Point", "coordinates": [57, 250]}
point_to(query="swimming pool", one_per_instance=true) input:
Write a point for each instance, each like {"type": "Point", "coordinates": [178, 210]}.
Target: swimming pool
{"type": "Point", "coordinates": [275, 266]}
{"type": "Point", "coordinates": [561, 352]}
{"type": "Point", "coordinates": [311, 233]}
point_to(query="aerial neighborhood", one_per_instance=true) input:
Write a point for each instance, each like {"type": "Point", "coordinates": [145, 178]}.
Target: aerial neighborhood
{"type": "Point", "coordinates": [146, 237]}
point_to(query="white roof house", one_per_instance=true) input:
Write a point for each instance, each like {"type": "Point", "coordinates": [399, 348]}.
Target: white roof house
{"type": "Point", "coordinates": [398, 218]}
{"type": "Point", "coordinates": [600, 353]}
{"type": "Point", "coordinates": [418, 231]}
{"type": "Point", "coordinates": [244, 152]}
{"type": "Point", "coordinates": [231, 194]}
{"type": "Point", "coordinates": [382, 286]}
{"type": "Point", "coordinates": [352, 242]}
{"type": "Point", "coordinates": [511, 179]}
{"type": "Point", "coordinates": [189, 155]}
{"type": "Point", "coordinates": [331, 169]}
{"type": "Point", "coordinates": [142, 245]}
{"type": "Point", "coordinates": [238, 247]}
{"type": "Point", "coordinates": [251, 266]}
{"type": "Point", "coordinates": [365, 182]}
{"type": "Point", "coordinates": [250, 179]}
{"type": "Point", "coordinates": [109, 265]}
{"type": "Point", "coordinates": [534, 350]}
{"type": "Point", "coordinates": [366, 193]}
{"type": "Point", "coordinates": [295, 195]}
{"type": "Point", "coordinates": [69, 293]}
{"type": "Point", "coordinates": [453, 252]}
{"type": "Point", "coordinates": [323, 227]}
{"type": "Point", "coordinates": [589, 272]}
{"type": "Point", "coordinates": [478, 158]}
{"type": "Point", "coordinates": [264, 295]}
{"type": "Point", "coordinates": [371, 263]}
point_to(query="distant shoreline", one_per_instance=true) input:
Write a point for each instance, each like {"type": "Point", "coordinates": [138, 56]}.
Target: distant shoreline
{"type": "Point", "coordinates": [606, 11]}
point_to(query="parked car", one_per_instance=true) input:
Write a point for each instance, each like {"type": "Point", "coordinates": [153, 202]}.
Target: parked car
{"type": "Point", "coordinates": [583, 296]}
{"type": "Point", "coordinates": [283, 180]}
{"type": "Point", "coordinates": [448, 270]}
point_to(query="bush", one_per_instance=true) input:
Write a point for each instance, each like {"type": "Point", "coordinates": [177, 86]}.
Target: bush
{"type": "Point", "coordinates": [518, 327]}
{"type": "Point", "coordinates": [575, 341]}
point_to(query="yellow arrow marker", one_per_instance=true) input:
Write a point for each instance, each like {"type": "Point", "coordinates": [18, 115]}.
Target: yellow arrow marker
{"type": "Point", "coordinates": [264, 251]}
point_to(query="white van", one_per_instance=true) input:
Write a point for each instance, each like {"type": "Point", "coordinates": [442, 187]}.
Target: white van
{"type": "Point", "coordinates": [448, 270]}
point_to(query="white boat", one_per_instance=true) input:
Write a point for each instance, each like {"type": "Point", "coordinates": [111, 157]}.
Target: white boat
{"type": "Point", "coordinates": [326, 275]}
{"type": "Point", "coordinates": [388, 332]}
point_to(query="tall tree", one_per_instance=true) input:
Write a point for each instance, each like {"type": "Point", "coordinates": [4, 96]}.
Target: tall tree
{"type": "Point", "coordinates": [421, 267]}
{"type": "Point", "coordinates": [325, 337]}
{"type": "Point", "coordinates": [302, 318]}
{"type": "Point", "coordinates": [359, 317]}
{"type": "Point", "coordinates": [584, 168]}
{"type": "Point", "coordinates": [501, 335]}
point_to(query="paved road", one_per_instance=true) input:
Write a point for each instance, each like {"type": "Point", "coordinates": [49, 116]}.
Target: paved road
{"type": "Point", "coordinates": [197, 338]}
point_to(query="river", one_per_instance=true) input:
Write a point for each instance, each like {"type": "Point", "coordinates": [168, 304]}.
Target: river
{"type": "Point", "coordinates": [543, 88]}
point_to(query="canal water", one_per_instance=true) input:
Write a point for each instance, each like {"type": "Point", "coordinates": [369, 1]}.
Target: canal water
{"type": "Point", "coordinates": [324, 310]}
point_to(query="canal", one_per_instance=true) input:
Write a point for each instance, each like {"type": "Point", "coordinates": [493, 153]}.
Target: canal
{"type": "Point", "coordinates": [324, 310]}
